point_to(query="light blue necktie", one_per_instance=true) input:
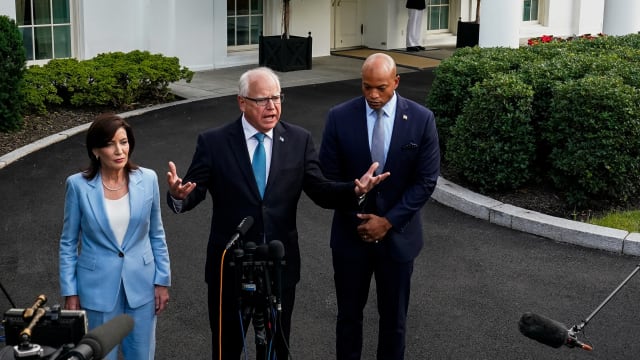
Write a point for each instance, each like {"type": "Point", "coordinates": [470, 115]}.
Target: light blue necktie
{"type": "Point", "coordinates": [377, 141]}
{"type": "Point", "coordinates": [260, 163]}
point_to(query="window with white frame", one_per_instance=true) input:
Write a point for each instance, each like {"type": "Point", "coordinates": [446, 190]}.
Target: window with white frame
{"type": "Point", "coordinates": [46, 28]}
{"type": "Point", "coordinates": [438, 15]}
{"type": "Point", "coordinates": [530, 12]}
{"type": "Point", "coordinates": [244, 22]}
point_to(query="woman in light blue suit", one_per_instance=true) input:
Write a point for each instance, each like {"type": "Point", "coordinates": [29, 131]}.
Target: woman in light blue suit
{"type": "Point", "coordinates": [113, 253]}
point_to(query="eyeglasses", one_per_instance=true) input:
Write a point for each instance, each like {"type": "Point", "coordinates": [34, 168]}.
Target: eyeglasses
{"type": "Point", "coordinates": [278, 99]}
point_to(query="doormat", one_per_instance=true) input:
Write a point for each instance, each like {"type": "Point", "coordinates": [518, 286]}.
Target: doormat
{"type": "Point", "coordinates": [404, 60]}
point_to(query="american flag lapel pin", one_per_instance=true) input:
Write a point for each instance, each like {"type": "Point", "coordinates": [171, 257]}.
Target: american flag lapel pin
{"type": "Point", "coordinates": [281, 139]}
{"type": "Point", "coordinates": [404, 117]}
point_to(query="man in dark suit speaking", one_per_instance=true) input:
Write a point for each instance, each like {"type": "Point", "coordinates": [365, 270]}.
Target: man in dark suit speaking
{"type": "Point", "coordinates": [385, 236]}
{"type": "Point", "coordinates": [256, 166]}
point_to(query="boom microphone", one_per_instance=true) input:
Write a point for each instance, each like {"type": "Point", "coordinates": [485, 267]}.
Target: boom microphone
{"type": "Point", "coordinates": [97, 343]}
{"type": "Point", "coordinates": [548, 331]}
{"type": "Point", "coordinates": [241, 230]}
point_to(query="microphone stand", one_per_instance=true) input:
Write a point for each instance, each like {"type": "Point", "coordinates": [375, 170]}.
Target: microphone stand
{"type": "Point", "coordinates": [578, 328]}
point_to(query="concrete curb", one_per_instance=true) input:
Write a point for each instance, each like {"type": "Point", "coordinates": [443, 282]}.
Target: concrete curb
{"type": "Point", "coordinates": [532, 222]}
{"type": "Point", "coordinates": [448, 194]}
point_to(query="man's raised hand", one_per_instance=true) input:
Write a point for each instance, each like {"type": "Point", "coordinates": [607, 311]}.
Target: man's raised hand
{"type": "Point", "coordinates": [368, 181]}
{"type": "Point", "coordinates": [176, 188]}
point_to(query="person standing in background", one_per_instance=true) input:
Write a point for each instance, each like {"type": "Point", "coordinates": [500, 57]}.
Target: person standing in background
{"type": "Point", "coordinates": [415, 10]}
{"type": "Point", "coordinates": [113, 252]}
{"type": "Point", "coordinates": [384, 236]}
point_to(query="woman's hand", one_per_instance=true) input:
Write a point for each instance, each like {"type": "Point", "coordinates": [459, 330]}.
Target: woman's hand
{"type": "Point", "coordinates": [162, 298]}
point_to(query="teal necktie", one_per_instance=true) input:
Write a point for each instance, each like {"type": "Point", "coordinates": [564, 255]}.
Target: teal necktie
{"type": "Point", "coordinates": [260, 163]}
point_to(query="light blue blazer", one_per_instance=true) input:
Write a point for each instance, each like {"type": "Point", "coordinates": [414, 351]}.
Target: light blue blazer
{"type": "Point", "coordinates": [92, 264]}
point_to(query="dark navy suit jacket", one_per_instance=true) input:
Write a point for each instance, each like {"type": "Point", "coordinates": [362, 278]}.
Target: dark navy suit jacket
{"type": "Point", "coordinates": [221, 165]}
{"type": "Point", "coordinates": [413, 160]}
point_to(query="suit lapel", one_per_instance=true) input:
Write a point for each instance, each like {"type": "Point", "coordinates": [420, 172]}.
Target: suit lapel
{"type": "Point", "coordinates": [238, 146]}
{"type": "Point", "coordinates": [400, 127]}
{"type": "Point", "coordinates": [278, 150]}
{"type": "Point", "coordinates": [136, 202]}
{"type": "Point", "coordinates": [95, 197]}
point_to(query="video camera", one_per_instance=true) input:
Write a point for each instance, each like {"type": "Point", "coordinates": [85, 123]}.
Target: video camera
{"type": "Point", "coordinates": [52, 333]}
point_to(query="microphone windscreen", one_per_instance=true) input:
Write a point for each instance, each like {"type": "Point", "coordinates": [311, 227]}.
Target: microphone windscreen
{"type": "Point", "coordinates": [250, 248]}
{"type": "Point", "coordinates": [106, 336]}
{"type": "Point", "coordinates": [245, 225]}
{"type": "Point", "coordinates": [276, 250]}
{"type": "Point", "coordinates": [543, 329]}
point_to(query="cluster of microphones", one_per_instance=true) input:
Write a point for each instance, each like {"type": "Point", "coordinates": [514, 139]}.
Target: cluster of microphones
{"type": "Point", "coordinates": [253, 263]}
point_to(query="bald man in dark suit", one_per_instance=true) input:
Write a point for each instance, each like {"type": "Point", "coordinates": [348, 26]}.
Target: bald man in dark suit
{"type": "Point", "coordinates": [385, 236]}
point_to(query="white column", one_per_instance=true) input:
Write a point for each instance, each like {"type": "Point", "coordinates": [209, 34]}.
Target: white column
{"type": "Point", "coordinates": [500, 23]}
{"type": "Point", "coordinates": [8, 8]}
{"type": "Point", "coordinates": [587, 17]}
{"type": "Point", "coordinates": [621, 17]}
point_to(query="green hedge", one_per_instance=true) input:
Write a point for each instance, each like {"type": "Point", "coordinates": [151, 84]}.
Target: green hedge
{"type": "Point", "coordinates": [119, 80]}
{"type": "Point", "coordinates": [491, 143]}
{"type": "Point", "coordinates": [580, 122]}
{"type": "Point", "coordinates": [12, 65]}
{"type": "Point", "coordinates": [594, 131]}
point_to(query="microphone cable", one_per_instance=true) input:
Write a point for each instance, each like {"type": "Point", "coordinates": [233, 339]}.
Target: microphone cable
{"type": "Point", "coordinates": [278, 320]}
{"type": "Point", "coordinates": [244, 341]}
{"type": "Point", "coordinates": [244, 344]}
{"type": "Point", "coordinates": [224, 253]}
{"type": "Point", "coordinates": [274, 328]}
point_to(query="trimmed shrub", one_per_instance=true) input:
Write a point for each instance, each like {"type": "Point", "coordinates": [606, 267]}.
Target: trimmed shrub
{"type": "Point", "coordinates": [594, 130]}
{"type": "Point", "coordinates": [456, 75]}
{"type": "Point", "coordinates": [12, 65]}
{"type": "Point", "coordinates": [116, 79]}
{"type": "Point", "coordinates": [492, 142]}
{"type": "Point", "coordinates": [40, 91]}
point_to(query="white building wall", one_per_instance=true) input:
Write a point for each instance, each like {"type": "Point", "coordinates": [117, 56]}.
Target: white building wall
{"type": "Point", "coordinates": [183, 28]}
{"type": "Point", "coordinates": [621, 17]}
{"type": "Point", "coordinates": [8, 8]}
{"type": "Point", "coordinates": [114, 25]}
{"type": "Point", "coordinates": [588, 17]}
{"type": "Point", "coordinates": [312, 16]}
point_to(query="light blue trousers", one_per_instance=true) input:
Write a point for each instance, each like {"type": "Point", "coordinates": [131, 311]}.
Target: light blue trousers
{"type": "Point", "coordinates": [140, 344]}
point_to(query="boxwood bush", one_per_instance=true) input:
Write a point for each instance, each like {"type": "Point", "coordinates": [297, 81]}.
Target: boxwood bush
{"type": "Point", "coordinates": [581, 122]}
{"type": "Point", "coordinates": [119, 80]}
{"type": "Point", "coordinates": [456, 75]}
{"type": "Point", "coordinates": [492, 141]}
{"type": "Point", "coordinates": [12, 65]}
{"type": "Point", "coordinates": [594, 131]}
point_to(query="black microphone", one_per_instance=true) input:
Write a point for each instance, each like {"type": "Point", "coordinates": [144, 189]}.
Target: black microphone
{"type": "Point", "coordinates": [262, 252]}
{"type": "Point", "coordinates": [242, 229]}
{"type": "Point", "coordinates": [97, 343]}
{"type": "Point", "coordinates": [276, 253]}
{"type": "Point", "coordinates": [548, 331]}
{"type": "Point", "coordinates": [249, 283]}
